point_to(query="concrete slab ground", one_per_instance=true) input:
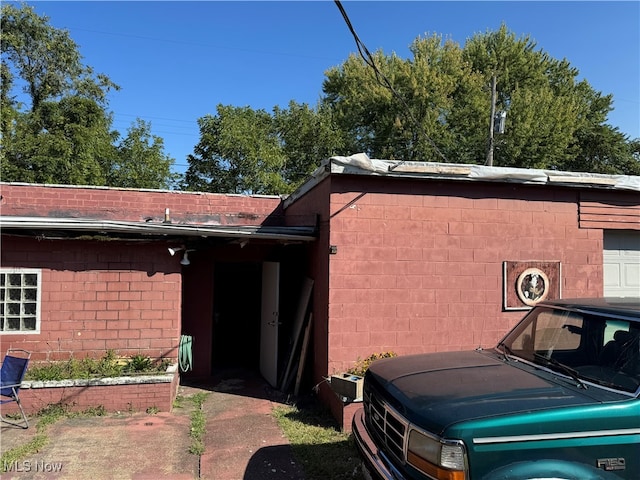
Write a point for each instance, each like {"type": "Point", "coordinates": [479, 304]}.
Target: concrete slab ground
{"type": "Point", "coordinates": [243, 440]}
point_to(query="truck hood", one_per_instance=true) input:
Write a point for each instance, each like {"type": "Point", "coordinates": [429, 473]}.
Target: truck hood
{"type": "Point", "coordinates": [440, 389]}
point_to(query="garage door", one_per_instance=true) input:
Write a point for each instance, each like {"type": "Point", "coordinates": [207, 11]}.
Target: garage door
{"type": "Point", "coordinates": [621, 263]}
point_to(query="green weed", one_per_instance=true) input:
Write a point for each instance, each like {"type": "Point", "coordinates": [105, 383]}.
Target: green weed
{"type": "Point", "coordinates": [46, 417]}
{"type": "Point", "coordinates": [314, 437]}
{"type": "Point", "coordinates": [198, 424]}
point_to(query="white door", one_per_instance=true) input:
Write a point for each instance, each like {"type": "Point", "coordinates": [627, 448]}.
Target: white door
{"type": "Point", "coordinates": [621, 263]}
{"type": "Point", "coordinates": [269, 322]}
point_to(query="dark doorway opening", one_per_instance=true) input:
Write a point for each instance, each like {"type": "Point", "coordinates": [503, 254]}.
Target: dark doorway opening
{"type": "Point", "coordinates": [236, 315]}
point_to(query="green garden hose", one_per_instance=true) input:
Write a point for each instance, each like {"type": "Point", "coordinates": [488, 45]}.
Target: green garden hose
{"type": "Point", "coordinates": [185, 358]}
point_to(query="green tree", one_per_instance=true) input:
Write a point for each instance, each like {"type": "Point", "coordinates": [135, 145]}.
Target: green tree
{"type": "Point", "coordinates": [140, 161]}
{"type": "Point", "coordinates": [434, 102]}
{"type": "Point", "coordinates": [307, 136]}
{"type": "Point", "coordinates": [8, 118]}
{"type": "Point", "coordinates": [546, 107]}
{"type": "Point", "coordinates": [47, 59]}
{"type": "Point", "coordinates": [61, 132]}
{"type": "Point", "coordinates": [238, 152]}
{"type": "Point", "coordinates": [438, 107]}
{"type": "Point", "coordinates": [242, 150]}
{"type": "Point", "coordinates": [62, 142]}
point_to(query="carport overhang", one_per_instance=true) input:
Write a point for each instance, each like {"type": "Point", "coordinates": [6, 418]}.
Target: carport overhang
{"type": "Point", "coordinates": [70, 228]}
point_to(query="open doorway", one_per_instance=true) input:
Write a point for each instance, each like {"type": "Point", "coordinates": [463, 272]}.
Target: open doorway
{"type": "Point", "coordinates": [236, 315]}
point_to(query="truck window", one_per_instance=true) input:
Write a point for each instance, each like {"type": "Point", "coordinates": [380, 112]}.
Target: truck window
{"type": "Point", "coordinates": [612, 327]}
{"type": "Point", "coordinates": [556, 331]}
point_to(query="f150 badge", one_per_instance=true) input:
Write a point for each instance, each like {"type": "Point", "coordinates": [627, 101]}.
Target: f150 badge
{"type": "Point", "coordinates": [611, 464]}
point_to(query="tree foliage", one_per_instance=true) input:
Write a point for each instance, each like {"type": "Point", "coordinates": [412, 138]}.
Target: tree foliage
{"type": "Point", "coordinates": [238, 153]}
{"type": "Point", "coordinates": [61, 142]}
{"type": "Point", "coordinates": [242, 150]}
{"type": "Point", "coordinates": [307, 136]}
{"type": "Point", "coordinates": [140, 161]}
{"type": "Point", "coordinates": [413, 121]}
{"type": "Point", "coordinates": [55, 124]}
{"type": "Point", "coordinates": [439, 106]}
{"type": "Point", "coordinates": [434, 106]}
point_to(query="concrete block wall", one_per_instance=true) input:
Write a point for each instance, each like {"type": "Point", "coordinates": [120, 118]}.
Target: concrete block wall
{"type": "Point", "coordinates": [99, 296]}
{"type": "Point", "coordinates": [135, 205]}
{"type": "Point", "coordinates": [316, 202]}
{"type": "Point", "coordinates": [419, 264]}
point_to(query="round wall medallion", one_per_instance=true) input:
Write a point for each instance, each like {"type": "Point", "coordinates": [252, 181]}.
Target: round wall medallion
{"type": "Point", "coordinates": [532, 286]}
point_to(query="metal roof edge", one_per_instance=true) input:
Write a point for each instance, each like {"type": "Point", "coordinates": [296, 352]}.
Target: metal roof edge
{"type": "Point", "coordinates": [361, 164]}
{"type": "Point", "coordinates": [299, 233]}
{"type": "Point", "coordinates": [319, 174]}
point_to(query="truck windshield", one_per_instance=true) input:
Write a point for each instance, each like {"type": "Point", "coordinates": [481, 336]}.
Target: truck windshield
{"type": "Point", "coordinates": [586, 347]}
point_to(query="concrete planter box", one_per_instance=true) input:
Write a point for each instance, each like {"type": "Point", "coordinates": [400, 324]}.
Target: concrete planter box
{"type": "Point", "coordinates": [347, 386]}
{"type": "Point", "coordinates": [343, 410]}
{"type": "Point", "coordinates": [127, 393]}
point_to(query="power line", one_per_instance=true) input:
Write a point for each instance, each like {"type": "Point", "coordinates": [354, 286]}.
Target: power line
{"type": "Point", "coordinates": [384, 81]}
{"type": "Point", "coordinates": [157, 118]}
{"type": "Point", "coordinates": [196, 44]}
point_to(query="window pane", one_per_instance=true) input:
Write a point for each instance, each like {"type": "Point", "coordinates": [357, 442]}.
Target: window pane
{"type": "Point", "coordinates": [15, 294]}
{"type": "Point", "coordinates": [612, 327]}
{"type": "Point", "coordinates": [19, 300]}
{"type": "Point", "coordinates": [13, 323]}
{"type": "Point", "coordinates": [29, 323]}
{"type": "Point", "coordinates": [30, 294]}
{"type": "Point", "coordinates": [29, 309]}
{"type": "Point", "coordinates": [553, 332]}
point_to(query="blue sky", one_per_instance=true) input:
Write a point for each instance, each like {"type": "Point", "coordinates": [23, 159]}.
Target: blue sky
{"type": "Point", "coordinates": [176, 61]}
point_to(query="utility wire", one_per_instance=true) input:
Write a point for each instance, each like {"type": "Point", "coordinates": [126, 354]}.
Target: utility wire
{"type": "Point", "coordinates": [384, 81]}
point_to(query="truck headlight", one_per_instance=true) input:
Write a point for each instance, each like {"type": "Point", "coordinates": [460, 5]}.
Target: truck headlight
{"type": "Point", "coordinates": [452, 456]}
{"type": "Point", "coordinates": [441, 459]}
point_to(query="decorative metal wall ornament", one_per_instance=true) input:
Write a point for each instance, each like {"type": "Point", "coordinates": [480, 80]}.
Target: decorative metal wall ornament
{"type": "Point", "coordinates": [532, 286]}
{"type": "Point", "coordinates": [527, 283]}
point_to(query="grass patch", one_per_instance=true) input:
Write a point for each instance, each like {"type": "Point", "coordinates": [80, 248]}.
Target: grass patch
{"type": "Point", "coordinates": [317, 443]}
{"type": "Point", "coordinates": [46, 417]}
{"type": "Point", "coordinates": [178, 402]}
{"type": "Point", "coordinates": [198, 424]}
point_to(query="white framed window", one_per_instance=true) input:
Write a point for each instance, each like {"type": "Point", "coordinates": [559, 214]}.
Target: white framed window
{"type": "Point", "coordinates": [20, 300]}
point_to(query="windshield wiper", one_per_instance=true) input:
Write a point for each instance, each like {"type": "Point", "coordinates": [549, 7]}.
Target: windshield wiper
{"type": "Point", "coordinates": [563, 368]}
{"type": "Point", "coordinates": [506, 351]}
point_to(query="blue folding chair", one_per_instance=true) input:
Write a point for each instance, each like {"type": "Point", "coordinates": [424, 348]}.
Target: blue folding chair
{"type": "Point", "coordinates": [14, 366]}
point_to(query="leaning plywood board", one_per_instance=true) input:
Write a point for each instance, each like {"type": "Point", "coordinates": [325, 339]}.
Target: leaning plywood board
{"type": "Point", "coordinates": [303, 304]}
{"type": "Point", "coordinates": [303, 354]}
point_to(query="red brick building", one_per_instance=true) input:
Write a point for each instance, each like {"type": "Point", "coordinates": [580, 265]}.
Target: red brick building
{"type": "Point", "coordinates": [404, 257]}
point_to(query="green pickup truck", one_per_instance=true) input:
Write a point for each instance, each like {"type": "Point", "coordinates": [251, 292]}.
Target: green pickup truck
{"type": "Point", "coordinates": [557, 398]}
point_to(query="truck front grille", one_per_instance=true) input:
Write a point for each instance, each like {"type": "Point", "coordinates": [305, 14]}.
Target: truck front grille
{"type": "Point", "coordinates": [387, 425]}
